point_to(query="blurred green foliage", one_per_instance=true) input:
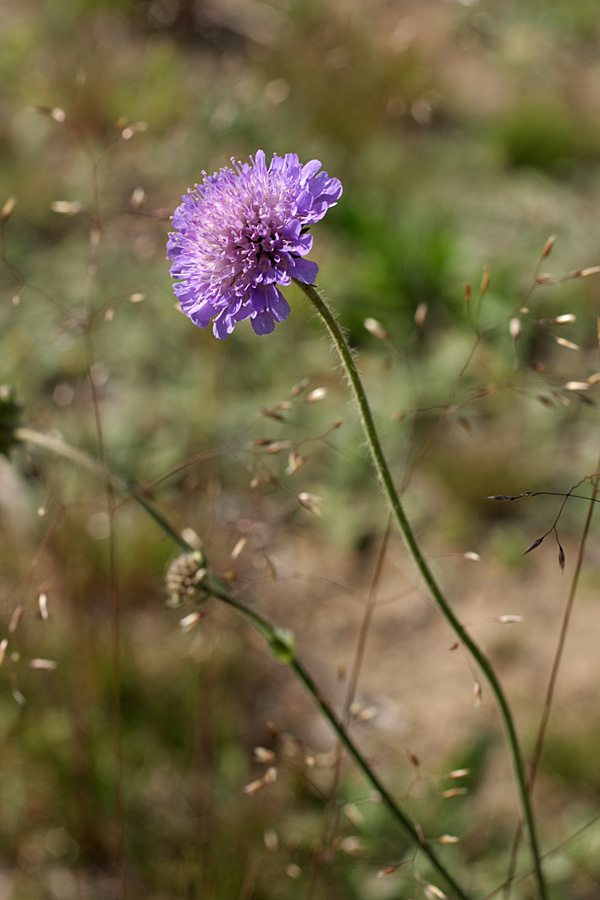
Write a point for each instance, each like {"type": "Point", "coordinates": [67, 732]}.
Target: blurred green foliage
{"type": "Point", "coordinates": [465, 134]}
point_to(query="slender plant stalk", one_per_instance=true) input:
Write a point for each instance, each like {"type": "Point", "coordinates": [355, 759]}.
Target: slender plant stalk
{"type": "Point", "coordinates": [285, 652]}
{"type": "Point", "coordinates": [281, 642]}
{"type": "Point", "coordinates": [59, 448]}
{"type": "Point", "coordinates": [562, 637]}
{"type": "Point", "coordinates": [397, 508]}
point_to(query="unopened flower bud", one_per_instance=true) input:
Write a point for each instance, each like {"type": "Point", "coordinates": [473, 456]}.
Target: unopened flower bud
{"type": "Point", "coordinates": [184, 580]}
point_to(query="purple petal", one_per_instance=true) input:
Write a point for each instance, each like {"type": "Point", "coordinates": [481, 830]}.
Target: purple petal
{"type": "Point", "coordinates": [242, 232]}
{"type": "Point", "coordinates": [304, 270]}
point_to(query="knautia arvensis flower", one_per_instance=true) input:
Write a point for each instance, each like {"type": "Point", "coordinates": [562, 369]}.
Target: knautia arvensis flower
{"type": "Point", "coordinates": [242, 232]}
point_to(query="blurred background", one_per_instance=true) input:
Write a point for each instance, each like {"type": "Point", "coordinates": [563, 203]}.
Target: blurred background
{"type": "Point", "coordinates": [465, 134]}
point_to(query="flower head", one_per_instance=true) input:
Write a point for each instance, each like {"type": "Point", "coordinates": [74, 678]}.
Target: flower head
{"type": "Point", "coordinates": [242, 232]}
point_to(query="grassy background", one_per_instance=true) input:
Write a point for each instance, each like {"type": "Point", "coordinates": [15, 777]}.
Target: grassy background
{"type": "Point", "coordinates": [464, 134]}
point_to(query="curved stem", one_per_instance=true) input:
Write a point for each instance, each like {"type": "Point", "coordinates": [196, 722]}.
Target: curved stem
{"type": "Point", "coordinates": [59, 448]}
{"type": "Point", "coordinates": [274, 637]}
{"type": "Point", "coordinates": [280, 642]}
{"type": "Point", "coordinates": [397, 508]}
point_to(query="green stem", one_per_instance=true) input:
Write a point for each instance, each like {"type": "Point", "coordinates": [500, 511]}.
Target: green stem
{"type": "Point", "coordinates": [274, 638]}
{"type": "Point", "coordinates": [395, 503]}
{"type": "Point", "coordinates": [279, 641]}
{"type": "Point", "coordinates": [59, 448]}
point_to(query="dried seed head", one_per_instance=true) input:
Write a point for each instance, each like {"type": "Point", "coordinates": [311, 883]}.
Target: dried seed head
{"type": "Point", "coordinates": [270, 414]}
{"type": "Point", "coordinates": [18, 697]}
{"type": "Point", "coordinates": [7, 209]}
{"type": "Point", "coordinates": [362, 713]}
{"type": "Point", "coordinates": [254, 786]}
{"type": "Point", "coordinates": [263, 755]}
{"type": "Point", "coordinates": [533, 546]}
{"type": "Point", "coordinates": [354, 814]}
{"type": "Point", "coordinates": [299, 387]}
{"type": "Point", "coordinates": [278, 447]}
{"type": "Point", "coordinates": [316, 395]}
{"type": "Point", "coordinates": [66, 207]}
{"type": "Point", "coordinates": [15, 618]}
{"type": "Point", "coordinates": [188, 622]}
{"type": "Point", "coordinates": [191, 538]}
{"type": "Point", "coordinates": [184, 580]}
{"type": "Point", "coordinates": [271, 840]}
{"type": "Point", "coordinates": [43, 604]}
{"type": "Point", "coordinates": [294, 462]}
{"type": "Point", "coordinates": [515, 329]}
{"type": "Point", "coordinates": [564, 319]}
{"type": "Point", "coordinates": [376, 329]}
{"type": "Point", "coordinates": [434, 893]}
{"type": "Point", "coordinates": [485, 280]}
{"type": "Point", "coordinates": [48, 664]}
{"type": "Point", "coordinates": [413, 758]}
{"type": "Point", "coordinates": [390, 870]}
{"type": "Point", "coordinates": [137, 198]}
{"type": "Point", "coordinates": [239, 547]}
{"type": "Point", "coordinates": [548, 246]}
{"type": "Point", "coordinates": [420, 315]}
{"type": "Point", "coordinates": [311, 502]}
{"type": "Point", "coordinates": [453, 792]}
{"type": "Point", "coordinates": [131, 130]}
{"type": "Point", "coordinates": [568, 344]}
{"type": "Point", "coordinates": [270, 775]}
{"type": "Point", "coordinates": [351, 845]}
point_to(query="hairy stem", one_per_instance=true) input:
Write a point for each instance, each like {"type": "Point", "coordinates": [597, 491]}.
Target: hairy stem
{"type": "Point", "coordinates": [397, 508]}
{"type": "Point", "coordinates": [279, 641]}
{"type": "Point", "coordinates": [59, 448]}
{"type": "Point", "coordinates": [271, 634]}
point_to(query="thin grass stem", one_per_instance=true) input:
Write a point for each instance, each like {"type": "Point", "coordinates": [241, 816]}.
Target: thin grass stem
{"type": "Point", "coordinates": [558, 654]}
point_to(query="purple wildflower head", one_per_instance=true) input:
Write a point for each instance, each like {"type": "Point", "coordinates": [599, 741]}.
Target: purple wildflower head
{"type": "Point", "coordinates": [242, 232]}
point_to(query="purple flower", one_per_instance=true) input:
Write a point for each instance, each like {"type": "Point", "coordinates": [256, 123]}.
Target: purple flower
{"type": "Point", "coordinates": [242, 232]}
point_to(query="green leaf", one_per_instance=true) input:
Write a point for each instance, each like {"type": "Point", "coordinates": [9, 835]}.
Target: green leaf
{"type": "Point", "coordinates": [283, 645]}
